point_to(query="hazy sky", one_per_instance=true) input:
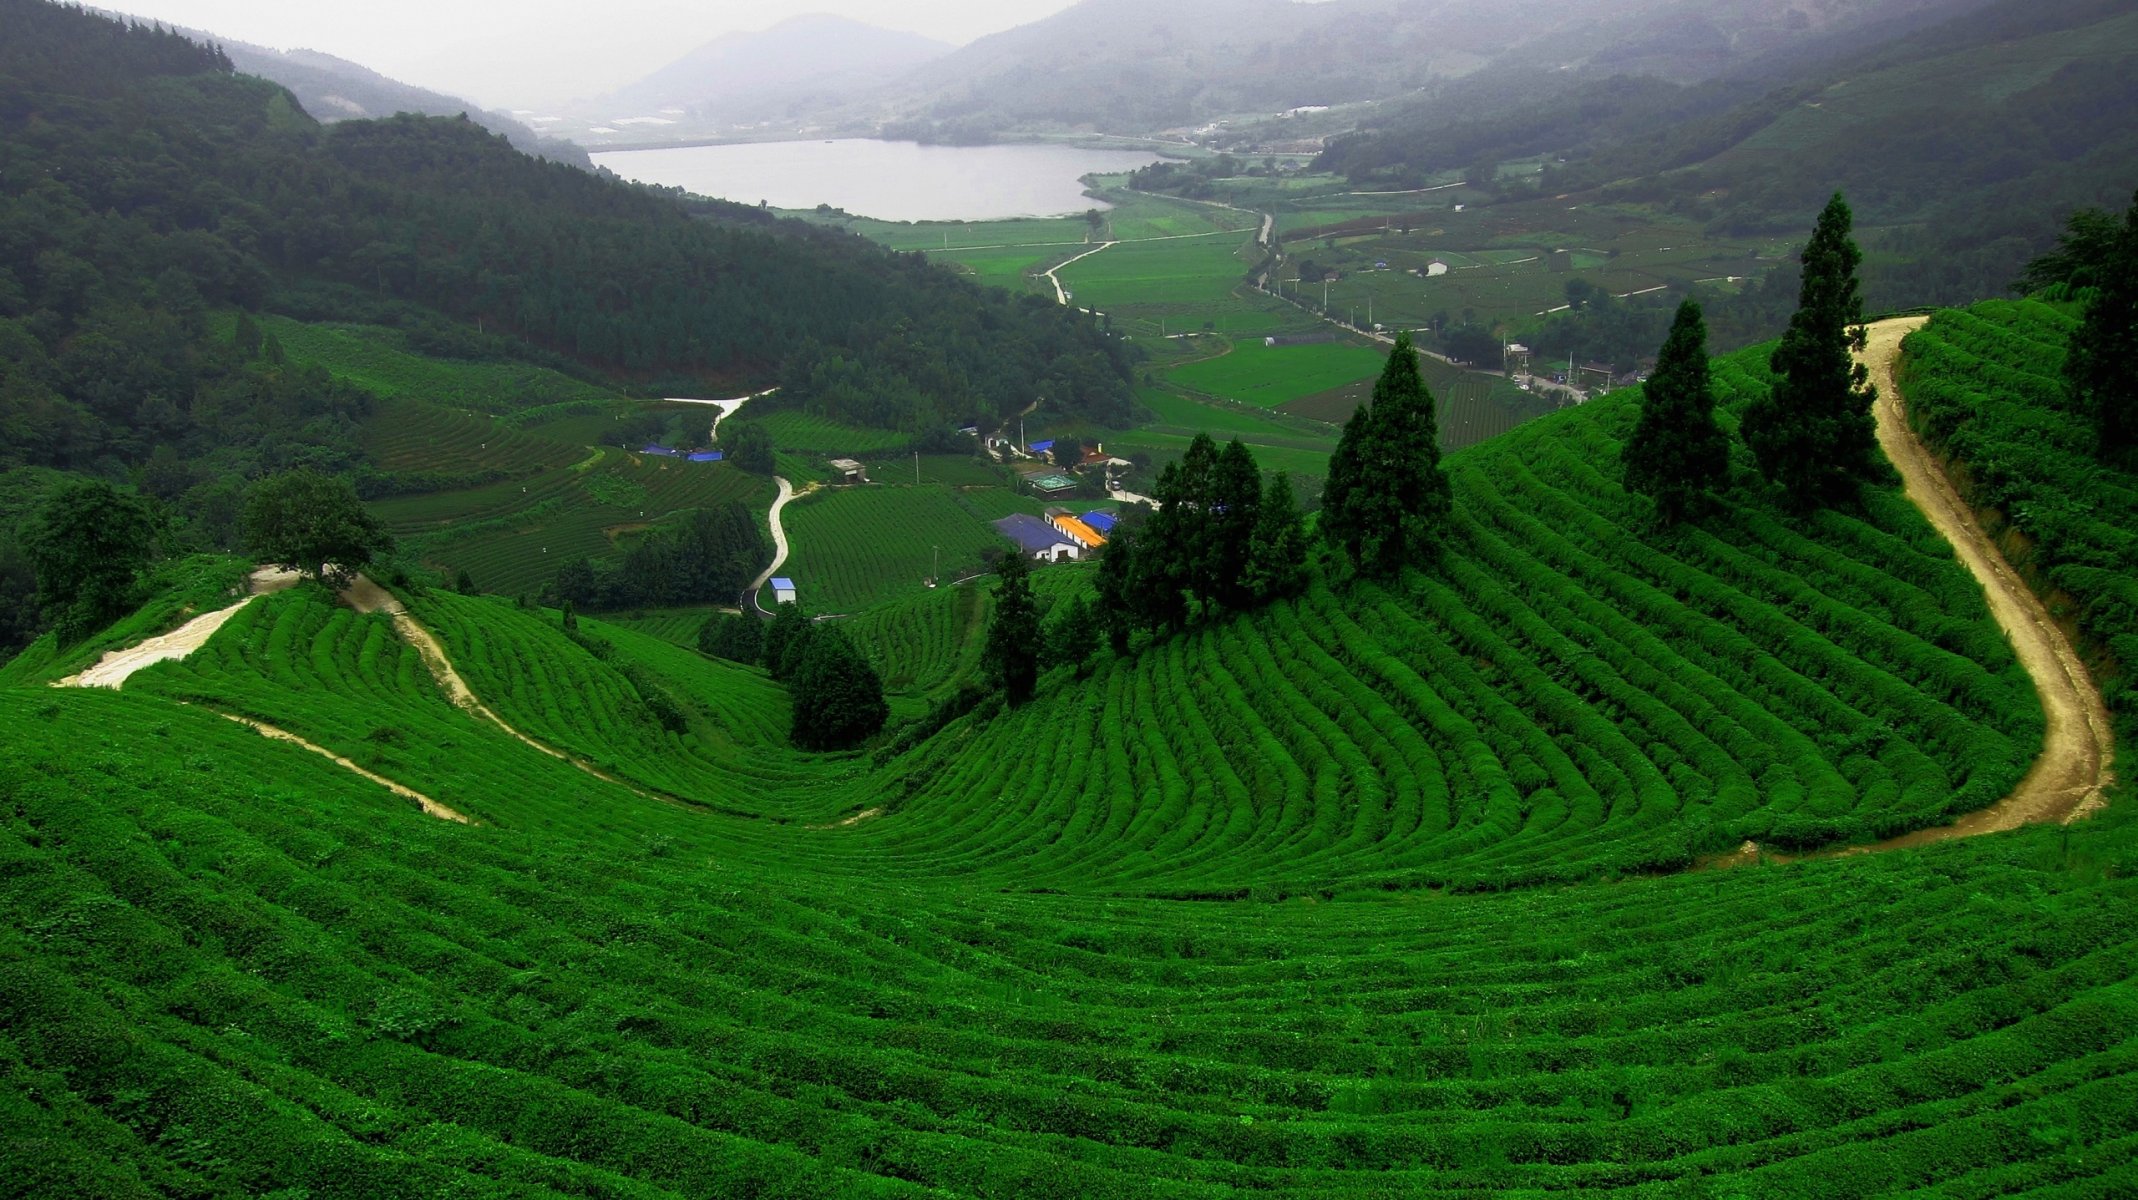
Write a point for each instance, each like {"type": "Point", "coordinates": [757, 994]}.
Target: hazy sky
{"type": "Point", "coordinates": [533, 53]}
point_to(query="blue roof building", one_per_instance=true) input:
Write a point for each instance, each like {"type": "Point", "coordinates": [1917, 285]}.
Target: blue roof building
{"type": "Point", "coordinates": [782, 589]}
{"type": "Point", "coordinates": [708, 456]}
{"type": "Point", "coordinates": [663, 451]}
{"type": "Point", "coordinates": [1037, 539]}
{"type": "Point", "coordinates": [1102, 521]}
{"type": "Point", "coordinates": [1041, 447]}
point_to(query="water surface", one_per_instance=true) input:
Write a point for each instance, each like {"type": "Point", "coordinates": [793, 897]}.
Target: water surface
{"type": "Point", "coordinates": [892, 181]}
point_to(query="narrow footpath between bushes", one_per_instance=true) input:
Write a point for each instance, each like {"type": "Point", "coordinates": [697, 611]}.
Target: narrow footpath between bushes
{"type": "Point", "coordinates": [2078, 749]}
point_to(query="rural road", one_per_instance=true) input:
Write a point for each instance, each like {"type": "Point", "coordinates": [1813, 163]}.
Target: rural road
{"type": "Point", "coordinates": [2066, 782]}
{"type": "Point", "coordinates": [779, 535]}
{"type": "Point", "coordinates": [1061, 296]}
{"type": "Point", "coordinates": [113, 670]}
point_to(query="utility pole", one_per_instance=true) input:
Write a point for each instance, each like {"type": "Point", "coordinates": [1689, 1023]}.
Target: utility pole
{"type": "Point", "coordinates": [917, 458]}
{"type": "Point", "coordinates": [1325, 293]}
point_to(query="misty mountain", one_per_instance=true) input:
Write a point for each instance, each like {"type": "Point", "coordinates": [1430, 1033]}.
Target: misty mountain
{"type": "Point", "coordinates": [1135, 66]}
{"type": "Point", "coordinates": [335, 89]}
{"type": "Point", "coordinates": [799, 64]}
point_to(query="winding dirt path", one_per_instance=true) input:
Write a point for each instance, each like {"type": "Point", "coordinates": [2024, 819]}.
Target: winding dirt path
{"type": "Point", "coordinates": [117, 666]}
{"type": "Point", "coordinates": [2078, 749]}
{"type": "Point", "coordinates": [428, 805]}
{"type": "Point", "coordinates": [2067, 781]}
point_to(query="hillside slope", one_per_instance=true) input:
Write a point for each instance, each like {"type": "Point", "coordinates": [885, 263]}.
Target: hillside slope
{"type": "Point", "coordinates": [233, 967]}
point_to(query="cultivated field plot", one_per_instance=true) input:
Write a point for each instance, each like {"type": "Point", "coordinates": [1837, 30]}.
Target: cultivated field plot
{"type": "Point", "coordinates": [415, 435]}
{"type": "Point", "coordinates": [1191, 280]}
{"type": "Point", "coordinates": [1569, 697]}
{"type": "Point", "coordinates": [926, 642]}
{"type": "Point", "coordinates": [1472, 405]}
{"type": "Point", "coordinates": [514, 536]}
{"type": "Point", "coordinates": [1259, 374]}
{"type": "Point", "coordinates": [1012, 267]}
{"type": "Point", "coordinates": [806, 433]}
{"type": "Point", "coordinates": [370, 357]}
{"type": "Point", "coordinates": [1189, 893]}
{"type": "Point", "coordinates": [956, 470]}
{"type": "Point", "coordinates": [1179, 413]}
{"type": "Point", "coordinates": [861, 546]}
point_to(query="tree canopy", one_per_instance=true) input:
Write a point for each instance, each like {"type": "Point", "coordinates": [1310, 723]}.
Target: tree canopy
{"type": "Point", "coordinates": [1387, 502]}
{"type": "Point", "coordinates": [87, 544]}
{"type": "Point", "coordinates": [1677, 454]}
{"type": "Point", "coordinates": [1011, 656]}
{"type": "Point", "coordinates": [1814, 434]}
{"type": "Point", "coordinates": [2098, 369]}
{"type": "Point", "coordinates": [313, 523]}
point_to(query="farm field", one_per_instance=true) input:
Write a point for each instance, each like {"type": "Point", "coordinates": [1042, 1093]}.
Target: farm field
{"type": "Point", "coordinates": [859, 546]}
{"type": "Point", "coordinates": [372, 359]}
{"type": "Point", "coordinates": [1255, 373]}
{"type": "Point", "coordinates": [1473, 406]}
{"type": "Point", "coordinates": [1984, 385]}
{"type": "Point", "coordinates": [512, 537]}
{"type": "Point", "coordinates": [806, 433]}
{"type": "Point", "coordinates": [1186, 282]}
{"type": "Point", "coordinates": [1196, 887]}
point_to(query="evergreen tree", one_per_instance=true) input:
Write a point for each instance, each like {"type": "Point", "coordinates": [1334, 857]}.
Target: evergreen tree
{"type": "Point", "coordinates": [1814, 434]}
{"type": "Point", "coordinates": [1115, 584]}
{"type": "Point", "coordinates": [1011, 657]}
{"type": "Point", "coordinates": [2098, 370]}
{"type": "Point", "coordinates": [1339, 523]}
{"type": "Point", "coordinates": [1277, 550]}
{"type": "Point", "coordinates": [838, 697]}
{"type": "Point", "coordinates": [789, 625]}
{"type": "Point", "coordinates": [1677, 454]}
{"type": "Point", "coordinates": [1234, 510]}
{"type": "Point", "coordinates": [1073, 635]}
{"type": "Point", "coordinates": [736, 637]}
{"type": "Point", "coordinates": [1391, 499]}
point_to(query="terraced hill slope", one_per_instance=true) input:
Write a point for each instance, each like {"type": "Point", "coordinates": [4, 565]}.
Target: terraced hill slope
{"type": "Point", "coordinates": [233, 967]}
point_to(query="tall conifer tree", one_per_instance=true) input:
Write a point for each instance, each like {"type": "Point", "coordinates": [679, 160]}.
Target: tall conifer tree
{"type": "Point", "coordinates": [1677, 454]}
{"type": "Point", "coordinates": [1814, 433]}
{"type": "Point", "coordinates": [1013, 638]}
{"type": "Point", "coordinates": [1387, 501]}
{"type": "Point", "coordinates": [2098, 371]}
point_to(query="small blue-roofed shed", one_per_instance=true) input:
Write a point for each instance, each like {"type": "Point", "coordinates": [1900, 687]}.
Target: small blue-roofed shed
{"type": "Point", "coordinates": [708, 456]}
{"type": "Point", "coordinates": [663, 451]}
{"type": "Point", "coordinates": [1102, 521]}
{"type": "Point", "coordinates": [782, 590]}
{"type": "Point", "coordinates": [1038, 540]}
{"type": "Point", "coordinates": [1041, 447]}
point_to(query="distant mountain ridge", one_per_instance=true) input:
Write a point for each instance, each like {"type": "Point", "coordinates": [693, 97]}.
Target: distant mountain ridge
{"type": "Point", "coordinates": [335, 89]}
{"type": "Point", "coordinates": [805, 61]}
{"type": "Point", "coordinates": [1126, 66]}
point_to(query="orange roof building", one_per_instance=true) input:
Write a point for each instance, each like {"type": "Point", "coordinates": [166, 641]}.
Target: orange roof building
{"type": "Point", "coordinates": [1083, 534]}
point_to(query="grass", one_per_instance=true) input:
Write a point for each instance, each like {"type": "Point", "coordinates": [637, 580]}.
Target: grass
{"type": "Point", "coordinates": [858, 547]}
{"type": "Point", "coordinates": [371, 358]}
{"type": "Point", "coordinates": [1255, 373]}
{"type": "Point", "coordinates": [805, 433]}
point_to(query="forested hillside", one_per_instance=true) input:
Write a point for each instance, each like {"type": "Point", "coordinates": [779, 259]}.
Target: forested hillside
{"type": "Point", "coordinates": [145, 183]}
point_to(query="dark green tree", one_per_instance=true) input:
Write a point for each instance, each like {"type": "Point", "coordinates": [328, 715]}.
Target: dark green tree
{"type": "Point", "coordinates": [2099, 368]}
{"type": "Point", "coordinates": [1067, 453]}
{"type": "Point", "coordinates": [1814, 434]}
{"type": "Point", "coordinates": [748, 445]}
{"type": "Point", "coordinates": [1387, 502]}
{"type": "Point", "coordinates": [313, 523]}
{"type": "Point", "coordinates": [736, 637]}
{"type": "Point", "coordinates": [1073, 634]}
{"type": "Point", "coordinates": [1276, 566]}
{"type": "Point", "coordinates": [838, 697]}
{"type": "Point", "coordinates": [1677, 455]}
{"type": "Point", "coordinates": [88, 544]}
{"type": "Point", "coordinates": [1235, 508]}
{"type": "Point", "coordinates": [1011, 657]}
{"type": "Point", "coordinates": [789, 625]}
{"type": "Point", "coordinates": [1115, 584]}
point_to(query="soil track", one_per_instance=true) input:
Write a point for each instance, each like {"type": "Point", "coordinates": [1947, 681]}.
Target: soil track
{"type": "Point", "coordinates": [424, 802]}
{"type": "Point", "coordinates": [2067, 781]}
{"type": "Point", "coordinates": [117, 666]}
{"type": "Point", "coordinates": [2078, 749]}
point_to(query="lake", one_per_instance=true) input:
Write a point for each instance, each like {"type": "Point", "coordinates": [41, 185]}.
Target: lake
{"type": "Point", "coordinates": [891, 181]}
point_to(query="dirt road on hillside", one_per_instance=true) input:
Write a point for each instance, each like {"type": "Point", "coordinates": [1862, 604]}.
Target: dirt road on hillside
{"type": "Point", "coordinates": [2066, 782]}
{"type": "Point", "coordinates": [117, 666]}
{"type": "Point", "coordinates": [428, 805]}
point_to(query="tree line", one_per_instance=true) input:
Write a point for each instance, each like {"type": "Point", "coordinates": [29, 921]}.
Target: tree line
{"type": "Point", "coordinates": [706, 558]}
{"type": "Point", "coordinates": [838, 696]}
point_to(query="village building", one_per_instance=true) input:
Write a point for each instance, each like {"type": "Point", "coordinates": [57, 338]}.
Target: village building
{"type": "Point", "coordinates": [849, 471]}
{"type": "Point", "coordinates": [782, 590]}
{"type": "Point", "coordinates": [1038, 540]}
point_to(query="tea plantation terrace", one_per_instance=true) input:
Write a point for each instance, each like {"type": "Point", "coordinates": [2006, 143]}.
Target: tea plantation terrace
{"type": "Point", "coordinates": [1240, 914]}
